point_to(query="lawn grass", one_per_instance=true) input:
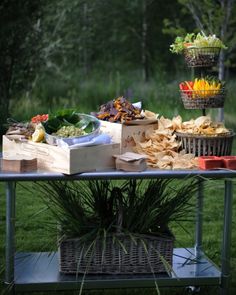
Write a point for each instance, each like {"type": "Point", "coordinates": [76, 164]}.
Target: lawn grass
{"type": "Point", "coordinates": [86, 95]}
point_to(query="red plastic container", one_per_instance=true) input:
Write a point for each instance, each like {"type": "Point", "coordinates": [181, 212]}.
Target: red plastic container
{"type": "Point", "coordinates": [210, 162]}
{"type": "Point", "coordinates": [229, 162]}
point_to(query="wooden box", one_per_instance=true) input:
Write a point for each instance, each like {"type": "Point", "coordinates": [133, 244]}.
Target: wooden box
{"type": "Point", "coordinates": [123, 134]}
{"type": "Point", "coordinates": [19, 164]}
{"type": "Point", "coordinates": [58, 159]}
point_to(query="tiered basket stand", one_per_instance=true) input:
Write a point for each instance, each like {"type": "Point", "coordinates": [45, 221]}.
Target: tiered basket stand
{"type": "Point", "coordinates": [202, 145]}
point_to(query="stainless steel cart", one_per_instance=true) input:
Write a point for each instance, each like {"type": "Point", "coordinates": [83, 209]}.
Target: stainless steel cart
{"type": "Point", "coordinates": [39, 271]}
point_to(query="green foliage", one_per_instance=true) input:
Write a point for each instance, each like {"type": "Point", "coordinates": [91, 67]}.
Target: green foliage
{"type": "Point", "coordinates": [64, 117]}
{"type": "Point", "coordinates": [70, 118]}
{"type": "Point", "coordinates": [207, 15]}
{"type": "Point", "coordinates": [19, 45]}
{"type": "Point", "coordinates": [53, 51]}
{"type": "Point", "coordinates": [85, 209]}
{"type": "Point", "coordinates": [179, 44]}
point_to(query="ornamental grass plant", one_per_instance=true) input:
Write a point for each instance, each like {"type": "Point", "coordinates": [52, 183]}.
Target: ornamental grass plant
{"type": "Point", "coordinates": [87, 208]}
{"type": "Point", "coordinates": [109, 225]}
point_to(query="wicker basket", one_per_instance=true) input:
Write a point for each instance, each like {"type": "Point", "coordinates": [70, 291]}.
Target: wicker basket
{"type": "Point", "coordinates": [78, 257]}
{"type": "Point", "coordinates": [200, 145]}
{"type": "Point", "coordinates": [201, 57]}
{"type": "Point", "coordinates": [203, 99]}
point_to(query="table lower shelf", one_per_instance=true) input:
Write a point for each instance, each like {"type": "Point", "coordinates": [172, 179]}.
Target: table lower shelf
{"type": "Point", "coordinates": [39, 271]}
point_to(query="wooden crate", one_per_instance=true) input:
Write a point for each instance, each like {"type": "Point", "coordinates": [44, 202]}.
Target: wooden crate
{"type": "Point", "coordinates": [123, 134]}
{"type": "Point", "coordinates": [19, 164]}
{"type": "Point", "coordinates": [57, 159]}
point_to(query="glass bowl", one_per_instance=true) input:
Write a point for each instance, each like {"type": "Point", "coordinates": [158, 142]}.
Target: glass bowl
{"type": "Point", "coordinates": [54, 139]}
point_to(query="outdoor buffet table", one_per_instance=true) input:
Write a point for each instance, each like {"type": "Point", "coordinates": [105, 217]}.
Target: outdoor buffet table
{"type": "Point", "coordinates": [39, 271]}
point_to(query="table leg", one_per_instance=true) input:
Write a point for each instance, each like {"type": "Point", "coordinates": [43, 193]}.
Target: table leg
{"type": "Point", "coordinates": [10, 233]}
{"type": "Point", "coordinates": [226, 243]}
{"type": "Point", "coordinates": [199, 219]}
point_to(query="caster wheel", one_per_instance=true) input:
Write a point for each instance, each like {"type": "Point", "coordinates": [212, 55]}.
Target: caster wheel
{"type": "Point", "coordinates": [192, 290]}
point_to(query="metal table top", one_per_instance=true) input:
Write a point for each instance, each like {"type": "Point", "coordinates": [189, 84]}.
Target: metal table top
{"type": "Point", "coordinates": [115, 174]}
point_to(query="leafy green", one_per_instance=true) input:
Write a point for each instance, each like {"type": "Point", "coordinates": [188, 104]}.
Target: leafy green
{"type": "Point", "coordinates": [89, 128]}
{"type": "Point", "coordinates": [84, 123]}
{"type": "Point", "coordinates": [67, 117]}
{"type": "Point", "coordinates": [178, 45]}
{"type": "Point", "coordinates": [199, 40]}
{"type": "Point", "coordinates": [202, 40]}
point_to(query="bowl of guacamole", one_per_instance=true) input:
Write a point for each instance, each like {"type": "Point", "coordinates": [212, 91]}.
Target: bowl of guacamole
{"type": "Point", "coordinates": [70, 127]}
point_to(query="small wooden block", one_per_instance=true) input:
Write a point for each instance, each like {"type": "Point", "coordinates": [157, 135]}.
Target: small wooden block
{"type": "Point", "coordinates": [19, 165]}
{"type": "Point", "coordinates": [134, 166]}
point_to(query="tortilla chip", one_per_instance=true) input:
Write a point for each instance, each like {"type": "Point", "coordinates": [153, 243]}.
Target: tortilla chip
{"type": "Point", "coordinates": [149, 115]}
{"type": "Point", "coordinates": [177, 122]}
{"type": "Point", "coordinates": [202, 121]}
{"type": "Point", "coordinates": [165, 123]}
{"type": "Point", "coordinates": [162, 148]}
{"type": "Point", "coordinates": [145, 144]}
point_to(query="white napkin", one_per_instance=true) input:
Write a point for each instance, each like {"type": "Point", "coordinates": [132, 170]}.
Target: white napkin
{"type": "Point", "coordinates": [100, 139]}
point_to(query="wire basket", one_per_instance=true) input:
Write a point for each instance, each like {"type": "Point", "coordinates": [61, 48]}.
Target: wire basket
{"type": "Point", "coordinates": [144, 255]}
{"type": "Point", "coordinates": [206, 145]}
{"type": "Point", "coordinates": [203, 99]}
{"type": "Point", "coordinates": [201, 56]}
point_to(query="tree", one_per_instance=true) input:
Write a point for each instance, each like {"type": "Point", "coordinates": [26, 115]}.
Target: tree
{"type": "Point", "coordinates": [19, 35]}
{"type": "Point", "coordinates": [214, 17]}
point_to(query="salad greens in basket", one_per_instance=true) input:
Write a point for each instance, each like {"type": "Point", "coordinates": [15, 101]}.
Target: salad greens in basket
{"type": "Point", "coordinates": [199, 40]}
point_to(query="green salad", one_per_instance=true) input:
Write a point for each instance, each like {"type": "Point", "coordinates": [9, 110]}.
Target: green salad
{"type": "Point", "coordinates": [199, 40]}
